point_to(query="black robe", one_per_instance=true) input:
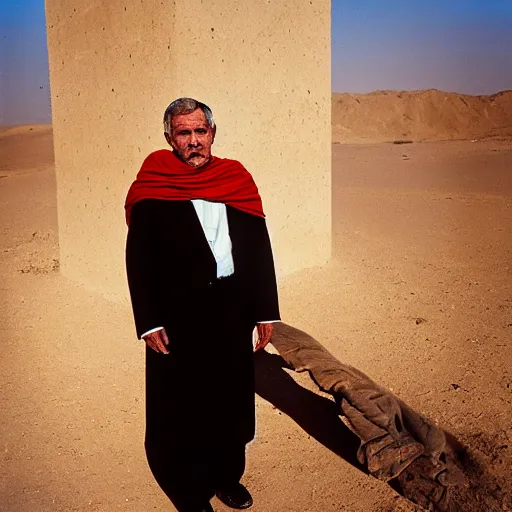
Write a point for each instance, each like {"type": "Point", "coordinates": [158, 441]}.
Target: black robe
{"type": "Point", "coordinates": [200, 397]}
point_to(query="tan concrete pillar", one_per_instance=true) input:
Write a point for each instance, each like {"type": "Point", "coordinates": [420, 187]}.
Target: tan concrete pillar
{"type": "Point", "coordinates": [263, 66]}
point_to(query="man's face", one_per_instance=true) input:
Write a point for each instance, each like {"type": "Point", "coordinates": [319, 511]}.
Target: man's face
{"type": "Point", "coordinates": [192, 138]}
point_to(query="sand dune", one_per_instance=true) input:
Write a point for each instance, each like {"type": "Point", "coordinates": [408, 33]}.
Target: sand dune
{"type": "Point", "coordinates": [420, 115]}
{"type": "Point", "coordinates": [25, 147]}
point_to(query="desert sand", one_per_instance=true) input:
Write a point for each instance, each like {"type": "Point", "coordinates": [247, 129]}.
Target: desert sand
{"type": "Point", "coordinates": [384, 116]}
{"type": "Point", "coordinates": [418, 296]}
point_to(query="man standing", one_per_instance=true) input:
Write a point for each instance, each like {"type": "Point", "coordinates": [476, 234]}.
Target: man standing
{"type": "Point", "coordinates": [201, 276]}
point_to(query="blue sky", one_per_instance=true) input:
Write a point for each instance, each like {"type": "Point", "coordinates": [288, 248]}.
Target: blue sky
{"type": "Point", "coordinates": [24, 87]}
{"type": "Point", "coordinates": [454, 45]}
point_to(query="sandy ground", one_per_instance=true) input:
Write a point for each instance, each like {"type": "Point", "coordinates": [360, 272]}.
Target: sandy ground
{"type": "Point", "coordinates": [419, 296]}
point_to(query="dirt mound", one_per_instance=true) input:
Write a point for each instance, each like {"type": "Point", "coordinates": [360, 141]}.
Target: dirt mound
{"type": "Point", "coordinates": [419, 115]}
{"type": "Point", "coordinates": [25, 148]}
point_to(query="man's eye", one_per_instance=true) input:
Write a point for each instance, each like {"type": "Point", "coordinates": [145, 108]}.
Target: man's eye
{"type": "Point", "coordinates": [201, 131]}
{"type": "Point", "coordinates": [184, 132]}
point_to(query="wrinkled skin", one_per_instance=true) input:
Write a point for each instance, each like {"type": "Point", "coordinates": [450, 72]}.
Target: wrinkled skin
{"type": "Point", "coordinates": [191, 138]}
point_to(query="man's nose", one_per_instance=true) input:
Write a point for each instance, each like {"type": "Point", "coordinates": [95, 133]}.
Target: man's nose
{"type": "Point", "coordinates": [194, 141]}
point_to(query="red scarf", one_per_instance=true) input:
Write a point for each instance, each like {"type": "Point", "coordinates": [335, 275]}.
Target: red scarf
{"type": "Point", "coordinates": [164, 176]}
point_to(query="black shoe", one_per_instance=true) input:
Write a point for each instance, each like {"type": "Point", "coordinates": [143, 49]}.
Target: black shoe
{"type": "Point", "coordinates": [236, 496]}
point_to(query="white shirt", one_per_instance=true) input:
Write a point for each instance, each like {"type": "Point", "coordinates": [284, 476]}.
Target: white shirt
{"type": "Point", "coordinates": [214, 221]}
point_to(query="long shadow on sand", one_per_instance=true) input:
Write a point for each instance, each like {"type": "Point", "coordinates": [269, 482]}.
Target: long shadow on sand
{"type": "Point", "coordinates": [315, 414]}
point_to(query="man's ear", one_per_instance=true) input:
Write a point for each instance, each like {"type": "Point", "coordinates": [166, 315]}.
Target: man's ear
{"type": "Point", "coordinates": [214, 131]}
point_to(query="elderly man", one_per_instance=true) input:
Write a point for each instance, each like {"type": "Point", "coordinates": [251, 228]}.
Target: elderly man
{"type": "Point", "coordinates": [201, 277]}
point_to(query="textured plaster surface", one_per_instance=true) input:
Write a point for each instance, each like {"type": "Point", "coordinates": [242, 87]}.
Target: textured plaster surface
{"type": "Point", "coordinates": [262, 66]}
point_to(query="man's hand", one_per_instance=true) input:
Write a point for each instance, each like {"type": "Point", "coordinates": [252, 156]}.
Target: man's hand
{"type": "Point", "coordinates": [264, 333]}
{"type": "Point", "coordinates": [158, 341]}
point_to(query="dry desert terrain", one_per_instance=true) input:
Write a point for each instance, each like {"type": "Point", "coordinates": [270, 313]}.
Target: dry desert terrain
{"type": "Point", "coordinates": [418, 296]}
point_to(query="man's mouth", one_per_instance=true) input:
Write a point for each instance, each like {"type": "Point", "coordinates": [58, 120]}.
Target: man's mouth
{"type": "Point", "coordinates": [195, 154]}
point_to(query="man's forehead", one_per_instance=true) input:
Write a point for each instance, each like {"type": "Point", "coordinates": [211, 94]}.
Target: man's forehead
{"type": "Point", "coordinates": [196, 118]}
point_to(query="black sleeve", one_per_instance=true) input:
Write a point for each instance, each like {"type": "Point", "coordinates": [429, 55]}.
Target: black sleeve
{"type": "Point", "coordinates": [142, 268]}
{"type": "Point", "coordinates": [266, 303]}
{"type": "Point", "coordinates": [254, 263]}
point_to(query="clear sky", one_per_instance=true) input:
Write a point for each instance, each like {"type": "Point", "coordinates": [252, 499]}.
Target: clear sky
{"type": "Point", "coordinates": [24, 88]}
{"type": "Point", "coordinates": [453, 45]}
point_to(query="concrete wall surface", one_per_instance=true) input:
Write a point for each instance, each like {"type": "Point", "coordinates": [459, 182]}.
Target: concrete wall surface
{"type": "Point", "coordinates": [263, 66]}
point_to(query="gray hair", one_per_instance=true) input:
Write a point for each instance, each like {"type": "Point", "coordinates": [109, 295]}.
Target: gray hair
{"type": "Point", "coordinates": [185, 106]}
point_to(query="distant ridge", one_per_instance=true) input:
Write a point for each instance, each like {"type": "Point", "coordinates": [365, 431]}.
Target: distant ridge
{"type": "Point", "coordinates": [431, 114]}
